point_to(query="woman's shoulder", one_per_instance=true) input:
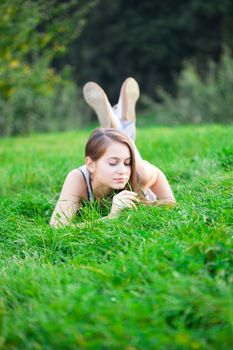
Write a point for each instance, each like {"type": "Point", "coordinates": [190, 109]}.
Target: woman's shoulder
{"type": "Point", "coordinates": [76, 183]}
{"type": "Point", "coordinates": [74, 174]}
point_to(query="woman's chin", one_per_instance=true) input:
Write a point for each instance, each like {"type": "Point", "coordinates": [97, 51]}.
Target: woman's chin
{"type": "Point", "coordinates": [119, 186]}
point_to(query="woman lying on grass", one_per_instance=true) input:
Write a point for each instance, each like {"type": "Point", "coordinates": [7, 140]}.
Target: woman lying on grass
{"type": "Point", "coordinates": [113, 165]}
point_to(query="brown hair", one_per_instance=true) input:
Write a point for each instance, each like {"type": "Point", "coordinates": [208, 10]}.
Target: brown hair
{"type": "Point", "coordinates": [98, 142]}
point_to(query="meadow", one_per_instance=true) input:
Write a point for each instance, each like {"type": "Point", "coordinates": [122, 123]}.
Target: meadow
{"type": "Point", "coordinates": [153, 278]}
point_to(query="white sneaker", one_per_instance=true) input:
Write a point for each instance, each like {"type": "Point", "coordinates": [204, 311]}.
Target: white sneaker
{"type": "Point", "coordinates": [97, 99]}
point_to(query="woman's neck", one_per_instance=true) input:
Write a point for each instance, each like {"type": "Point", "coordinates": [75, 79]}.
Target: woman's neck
{"type": "Point", "coordinates": [99, 190]}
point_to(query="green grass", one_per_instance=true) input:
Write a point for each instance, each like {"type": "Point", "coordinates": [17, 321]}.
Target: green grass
{"type": "Point", "coordinates": [155, 278]}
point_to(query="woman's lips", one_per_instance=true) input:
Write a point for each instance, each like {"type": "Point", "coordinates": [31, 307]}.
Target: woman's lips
{"type": "Point", "coordinates": [122, 179]}
{"type": "Point", "coordinates": [119, 180]}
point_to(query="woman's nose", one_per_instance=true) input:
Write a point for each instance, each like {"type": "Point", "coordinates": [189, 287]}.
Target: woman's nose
{"type": "Point", "coordinates": [121, 169]}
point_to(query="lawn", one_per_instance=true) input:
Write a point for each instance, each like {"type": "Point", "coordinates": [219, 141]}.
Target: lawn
{"type": "Point", "coordinates": [154, 278]}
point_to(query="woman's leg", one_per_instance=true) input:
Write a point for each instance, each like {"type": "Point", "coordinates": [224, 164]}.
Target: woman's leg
{"type": "Point", "coordinates": [123, 115]}
{"type": "Point", "coordinates": [125, 110]}
{"type": "Point", "coordinates": [95, 97]}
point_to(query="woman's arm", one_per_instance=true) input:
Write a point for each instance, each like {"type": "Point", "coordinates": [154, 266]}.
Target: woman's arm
{"type": "Point", "coordinates": [74, 188]}
{"type": "Point", "coordinates": [153, 178]}
{"type": "Point", "coordinates": [162, 189]}
{"type": "Point", "coordinates": [122, 200]}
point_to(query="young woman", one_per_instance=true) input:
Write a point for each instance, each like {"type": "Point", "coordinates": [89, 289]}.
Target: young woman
{"type": "Point", "coordinates": [112, 161]}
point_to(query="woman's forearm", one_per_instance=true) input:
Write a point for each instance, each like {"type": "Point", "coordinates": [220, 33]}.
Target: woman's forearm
{"type": "Point", "coordinates": [166, 201]}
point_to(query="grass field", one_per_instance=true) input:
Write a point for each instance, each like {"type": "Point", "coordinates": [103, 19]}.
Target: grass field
{"type": "Point", "coordinates": [155, 278]}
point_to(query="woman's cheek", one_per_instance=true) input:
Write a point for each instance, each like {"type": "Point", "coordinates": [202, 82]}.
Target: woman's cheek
{"type": "Point", "coordinates": [107, 169]}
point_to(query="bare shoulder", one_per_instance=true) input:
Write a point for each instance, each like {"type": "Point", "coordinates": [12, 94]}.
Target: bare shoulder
{"type": "Point", "coordinates": [148, 173]}
{"type": "Point", "coordinates": [74, 185]}
{"type": "Point", "coordinates": [74, 174]}
{"type": "Point", "coordinates": [73, 190]}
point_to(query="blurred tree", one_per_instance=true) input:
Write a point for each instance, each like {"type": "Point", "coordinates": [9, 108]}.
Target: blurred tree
{"type": "Point", "coordinates": [32, 34]}
{"type": "Point", "coordinates": [46, 44]}
{"type": "Point", "coordinates": [150, 40]}
{"type": "Point", "coordinates": [32, 31]}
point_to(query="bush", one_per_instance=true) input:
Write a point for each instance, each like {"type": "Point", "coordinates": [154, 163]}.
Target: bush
{"type": "Point", "coordinates": [33, 96]}
{"type": "Point", "coordinates": [198, 99]}
{"type": "Point", "coordinates": [40, 101]}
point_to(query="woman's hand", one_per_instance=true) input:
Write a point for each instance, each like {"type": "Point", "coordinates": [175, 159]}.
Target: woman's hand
{"type": "Point", "coordinates": [124, 199]}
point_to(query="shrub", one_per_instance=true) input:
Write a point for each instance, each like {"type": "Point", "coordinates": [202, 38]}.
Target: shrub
{"type": "Point", "coordinates": [198, 99]}
{"type": "Point", "coordinates": [40, 100]}
{"type": "Point", "coordinates": [33, 96]}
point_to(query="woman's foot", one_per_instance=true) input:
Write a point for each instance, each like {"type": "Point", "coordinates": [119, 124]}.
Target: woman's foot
{"type": "Point", "coordinates": [128, 97]}
{"type": "Point", "coordinates": [97, 99]}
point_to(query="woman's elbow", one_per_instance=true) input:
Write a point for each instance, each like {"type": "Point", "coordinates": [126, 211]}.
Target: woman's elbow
{"type": "Point", "coordinates": [170, 201]}
{"type": "Point", "coordinates": [53, 223]}
{"type": "Point", "coordinates": [56, 220]}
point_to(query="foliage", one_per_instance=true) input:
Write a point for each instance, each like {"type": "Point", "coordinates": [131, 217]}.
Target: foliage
{"type": "Point", "coordinates": [199, 99]}
{"type": "Point", "coordinates": [33, 34]}
{"type": "Point", "coordinates": [149, 40]}
{"type": "Point", "coordinates": [155, 278]}
{"type": "Point", "coordinates": [43, 101]}
{"type": "Point", "coordinates": [46, 47]}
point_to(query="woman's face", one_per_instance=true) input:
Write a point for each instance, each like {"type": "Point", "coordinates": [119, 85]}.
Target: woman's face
{"type": "Point", "coordinates": [113, 169]}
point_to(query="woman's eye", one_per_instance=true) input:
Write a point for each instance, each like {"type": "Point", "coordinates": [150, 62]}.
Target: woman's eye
{"type": "Point", "coordinates": [128, 164]}
{"type": "Point", "coordinates": [112, 164]}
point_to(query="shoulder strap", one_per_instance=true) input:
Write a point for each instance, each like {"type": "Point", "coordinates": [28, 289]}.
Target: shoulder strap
{"type": "Point", "coordinates": [87, 178]}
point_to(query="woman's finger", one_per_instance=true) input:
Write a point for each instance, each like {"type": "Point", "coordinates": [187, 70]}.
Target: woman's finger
{"type": "Point", "coordinates": [123, 200]}
{"type": "Point", "coordinates": [128, 204]}
{"type": "Point", "coordinates": [128, 193]}
{"type": "Point", "coordinates": [131, 205]}
{"type": "Point", "coordinates": [127, 197]}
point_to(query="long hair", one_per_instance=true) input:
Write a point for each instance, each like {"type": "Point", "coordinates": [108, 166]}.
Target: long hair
{"type": "Point", "coordinates": [99, 141]}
